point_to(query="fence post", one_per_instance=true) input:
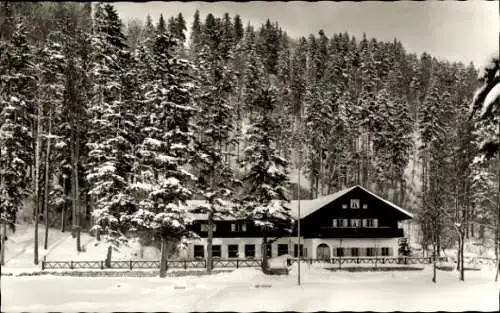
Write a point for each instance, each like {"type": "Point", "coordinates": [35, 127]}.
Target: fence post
{"type": "Point", "coordinates": [237, 263]}
{"type": "Point", "coordinates": [185, 265]}
{"type": "Point", "coordinates": [130, 264]}
{"type": "Point", "coordinates": [406, 261]}
{"type": "Point", "coordinates": [43, 265]}
{"type": "Point", "coordinates": [102, 265]}
{"type": "Point", "coordinates": [71, 264]}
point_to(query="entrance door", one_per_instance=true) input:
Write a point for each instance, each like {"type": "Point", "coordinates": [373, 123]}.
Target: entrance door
{"type": "Point", "coordinates": [323, 252]}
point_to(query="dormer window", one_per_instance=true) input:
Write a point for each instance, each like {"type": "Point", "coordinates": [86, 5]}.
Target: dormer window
{"type": "Point", "coordinates": [355, 204]}
{"type": "Point", "coordinates": [365, 206]}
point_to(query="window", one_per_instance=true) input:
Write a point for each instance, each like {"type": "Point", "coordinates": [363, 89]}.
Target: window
{"type": "Point", "coordinates": [344, 206]}
{"type": "Point", "coordinates": [216, 251]}
{"type": "Point", "coordinates": [238, 227]}
{"type": "Point", "coordinates": [372, 223]}
{"type": "Point", "coordinates": [340, 222]}
{"type": "Point", "coordinates": [204, 227]}
{"type": "Point", "coordinates": [295, 248]}
{"type": "Point", "coordinates": [282, 249]}
{"type": "Point", "coordinates": [199, 251]}
{"type": "Point", "coordinates": [339, 251]}
{"type": "Point", "coordinates": [365, 206]}
{"type": "Point", "coordinates": [354, 203]}
{"type": "Point", "coordinates": [354, 251]}
{"type": "Point", "coordinates": [386, 251]}
{"type": "Point", "coordinates": [370, 251]}
{"type": "Point", "coordinates": [355, 222]}
{"type": "Point", "coordinates": [232, 251]}
{"type": "Point", "coordinates": [249, 251]}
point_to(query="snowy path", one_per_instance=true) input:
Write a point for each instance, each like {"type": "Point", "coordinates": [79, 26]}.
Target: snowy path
{"type": "Point", "coordinates": [236, 291]}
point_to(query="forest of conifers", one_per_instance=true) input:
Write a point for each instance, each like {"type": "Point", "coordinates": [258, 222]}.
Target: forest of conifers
{"type": "Point", "coordinates": [128, 120]}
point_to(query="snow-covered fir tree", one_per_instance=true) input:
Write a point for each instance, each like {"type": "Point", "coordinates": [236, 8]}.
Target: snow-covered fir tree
{"type": "Point", "coordinates": [110, 150]}
{"type": "Point", "coordinates": [265, 192]}
{"type": "Point", "coordinates": [17, 85]}
{"type": "Point", "coordinates": [167, 136]}
{"type": "Point", "coordinates": [216, 178]}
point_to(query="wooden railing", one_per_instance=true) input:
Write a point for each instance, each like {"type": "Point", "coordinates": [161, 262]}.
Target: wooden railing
{"type": "Point", "coordinates": [371, 260]}
{"type": "Point", "coordinates": [146, 264]}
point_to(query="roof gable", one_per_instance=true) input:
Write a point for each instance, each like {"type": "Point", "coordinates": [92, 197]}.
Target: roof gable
{"type": "Point", "coordinates": [307, 207]}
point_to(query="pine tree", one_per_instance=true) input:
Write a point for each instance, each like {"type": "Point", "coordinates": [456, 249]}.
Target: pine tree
{"type": "Point", "coordinates": [166, 144]}
{"type": "Point", "coordinates": [238, 29]}
{"type": "Point", "coordinates": [161, 28]}
{"type": "Point", "coordinates": [51, 66]}
{"type": "Point", "coordinates": [196, 34]}
{"type": "Point", "coordinates": [216, 181]}
{"type": "Point", "coordinates": [17, 84]}
{"type": "Point", "coordinates": [265, 193]}
{"type": "Point", "coordinates": [109, 147]}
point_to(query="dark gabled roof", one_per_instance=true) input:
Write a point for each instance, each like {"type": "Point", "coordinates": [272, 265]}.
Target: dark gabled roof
{"type": "Point", "coordinates": [307, 207]}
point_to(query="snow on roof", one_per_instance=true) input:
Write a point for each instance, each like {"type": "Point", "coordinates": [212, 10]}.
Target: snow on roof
{"type": "Point", "coordinates": [388, 202]}
{"type": "Point", "coordinates": [307, 207]}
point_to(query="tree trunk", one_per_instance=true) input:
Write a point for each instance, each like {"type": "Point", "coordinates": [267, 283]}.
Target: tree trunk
{"type": "Point", "coordinates": [37, 183]}
{"type": "Point", "coordinates": [209, 241]}
{"type": "Point", "coordinates": [264, 252]}
{"type": "Point", "coordinates": [108, 257]}
{"type": "Point", "coordinates": [461, 255]}
{"type": "Point", "coordinates": [434, 260]}
{"type": "Point", "coordinates": [164, 256]}
{"type": "Point", "coordinates": [77, 192]}
{"type": "Point", "coordinates": [2, 248]}
{"type": "Point", "coordinates": [46, 192]}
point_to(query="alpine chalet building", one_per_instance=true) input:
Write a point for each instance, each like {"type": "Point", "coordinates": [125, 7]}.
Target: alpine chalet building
{"type": "Point", "coordinates": [352, 222]}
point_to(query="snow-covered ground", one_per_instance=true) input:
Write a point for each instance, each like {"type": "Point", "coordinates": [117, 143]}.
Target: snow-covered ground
{"type": "Point", "coordinates": [62, 247]}
{"type": "Point", "coordinates": [237, 291]}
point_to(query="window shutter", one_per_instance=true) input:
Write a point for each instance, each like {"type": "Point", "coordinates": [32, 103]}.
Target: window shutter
{"type": "Point", "coordinates": [375, 222]}
{"type": "Point", "coordinates": [334, 223]}
{"type": "Point", "coordinates": [244, 227]}
{"type": "Point", "coordinates": [365, 222]}
{"type": "Point", "coordinates": [233, 227]}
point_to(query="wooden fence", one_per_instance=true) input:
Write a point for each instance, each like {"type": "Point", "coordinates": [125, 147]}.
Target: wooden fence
{"type": "Point", "coordinates": [371, 260]}
{"type": "Point", "coordinates": [141, 264]}
{"type": "Point", "coordinates": [227, 263]}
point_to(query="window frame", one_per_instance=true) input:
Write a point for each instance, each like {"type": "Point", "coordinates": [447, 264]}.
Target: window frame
{"type": "Point", "coordinates": [195, 247]}
{"type": "Point", "coordinates": [220, 251]}
{"type": "Point", "coordinates": [358, 222]}
{"type": "Point", "coordinates": [247, 250]}
{"type": "Point", "coordinates": [353, 253]}
{"type": "Point", "coordinates": [229, 250]}
{"type": "Point", "coordinates": [280, 249]}
{"type": "Point", "coordinates": [204, 227]}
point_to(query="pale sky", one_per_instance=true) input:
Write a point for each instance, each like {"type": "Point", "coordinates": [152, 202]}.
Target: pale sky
{"type": "Point", "coordinates": [452, 30]}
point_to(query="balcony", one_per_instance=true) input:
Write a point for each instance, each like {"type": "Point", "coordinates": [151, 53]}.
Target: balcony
{"type": "Point", "coordinates": [334, 232]}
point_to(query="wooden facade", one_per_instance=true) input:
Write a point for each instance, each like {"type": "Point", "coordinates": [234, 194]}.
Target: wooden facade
{"type": "Point", "coordinates": [351, 222]}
